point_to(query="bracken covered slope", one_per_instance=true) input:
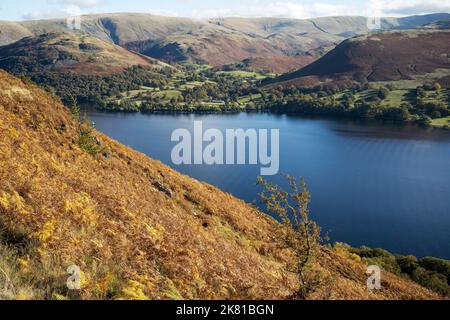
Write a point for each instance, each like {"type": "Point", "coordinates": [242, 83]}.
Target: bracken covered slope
{"type": "Point", "coordinates": [136, 228]}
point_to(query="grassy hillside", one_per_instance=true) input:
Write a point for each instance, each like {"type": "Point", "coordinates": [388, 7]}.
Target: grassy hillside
{"type": "Point", "coordinates": [137, 229]}
{"type": "Point", "coordinates": [215, 41]}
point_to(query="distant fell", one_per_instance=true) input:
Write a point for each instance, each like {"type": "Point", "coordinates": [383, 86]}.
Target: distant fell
{"type": "Point", "coordinates": [421, 55]}
{"type": "Point", "coordinates": [70, 52]}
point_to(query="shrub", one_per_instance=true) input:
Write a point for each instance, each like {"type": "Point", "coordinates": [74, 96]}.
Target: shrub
{"type": "Point", "coordinates": [437, 265]}
{"type": "Point", "coordinates": [407, 264]}
{"type": "Point", "coordinates": [436, 115]}
{"type": "Point", "coordinates": [366, 252]}
{"type": "Point", "coordinates": [431, 280]}
{"type": "Point", "coordinates": [379, 257]}
{"type": "Point", "coordinates": [395, 113]}
{"type": "Point", "coordinates": [424, 120]}
{"type": "Point", "coordinates": [383, 93]}
{"type": "Point", "coordinates": [89, 142]}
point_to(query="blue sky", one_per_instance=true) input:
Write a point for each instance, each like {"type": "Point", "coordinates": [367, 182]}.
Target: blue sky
{"type": "Point", "coordinates": [32, 9]}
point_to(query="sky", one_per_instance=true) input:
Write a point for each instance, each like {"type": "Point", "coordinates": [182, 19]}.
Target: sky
{"type": "Point", "coordinates": [300, 9]}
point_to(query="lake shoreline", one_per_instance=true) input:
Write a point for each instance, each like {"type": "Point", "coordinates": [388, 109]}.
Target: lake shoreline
{"type": "Point", "coordinates": [230, 112]}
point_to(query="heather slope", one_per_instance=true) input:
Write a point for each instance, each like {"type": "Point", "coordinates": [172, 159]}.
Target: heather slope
{"type": "Point", "coordinates": [136, 228]}
{"type": "Point", "coordinates": [387, 56]}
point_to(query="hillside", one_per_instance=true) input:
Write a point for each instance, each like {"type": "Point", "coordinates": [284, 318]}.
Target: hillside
{"type": "Point", "coordinates": [136, 228]}
{"type": "Point", "coordinates": [277, 64]}
{"type": "Point", "coordinates": [420, 55]}
{"type": "Point", "coordinates": [70, 52]}
{"type": "Point", "coordinates": [442, 24]}
{"type": "Point", "coordinates": [74, 65]}
{"type": "Point", "coordinates": [215, 41]}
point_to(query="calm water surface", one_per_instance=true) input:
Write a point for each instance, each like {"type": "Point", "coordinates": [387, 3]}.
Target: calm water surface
{"type": "Point", "coordinates": [375, 184]}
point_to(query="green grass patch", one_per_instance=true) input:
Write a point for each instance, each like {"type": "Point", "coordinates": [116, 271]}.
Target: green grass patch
{"type": "Point", "coordinates": [442, 122]}
{"type": "Point", "coordinates": [244, 74]}
{"type": "Point", "coordinates": [168, 94]}
{"type": "Point", "coordinates": [249, 98]}
{"type": "Point", "coordinates": [396, 97]}
{"type": "Point", "coordinates": [192, 85]}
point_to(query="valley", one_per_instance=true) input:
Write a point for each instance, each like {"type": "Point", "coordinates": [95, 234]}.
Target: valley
{"type": "Point", "coordinates": [351, 80]}
{"type": "Point", "coordinates": [362, 116]}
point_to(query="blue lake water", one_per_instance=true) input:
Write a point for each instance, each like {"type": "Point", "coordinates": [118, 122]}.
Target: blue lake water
{"type": "Point", "coordinates": [375, 184]}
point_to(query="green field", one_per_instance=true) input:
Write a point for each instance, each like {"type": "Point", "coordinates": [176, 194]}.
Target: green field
{"type": "Point", "coordinates": [249, 98]}
{"type": "Point", "coordinates": [396, 97]}
{"type": "Point", "coordinates": [442, 122]}
{"type": "Point", "coordinates": [168, 94]}
{"type": "Point", "coordinates": [244, 74]}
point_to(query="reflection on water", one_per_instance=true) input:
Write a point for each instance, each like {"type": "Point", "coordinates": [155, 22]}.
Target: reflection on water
{"type": "Point", "coordinates": [376, 184]}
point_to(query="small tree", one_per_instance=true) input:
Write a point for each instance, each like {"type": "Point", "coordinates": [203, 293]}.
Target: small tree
{"type": "Point", "coordinates": [303, 234]}
{"type": "Point", "coordinates": [73, 107]}
{"type": "Point", "coordinates": [383, 93]}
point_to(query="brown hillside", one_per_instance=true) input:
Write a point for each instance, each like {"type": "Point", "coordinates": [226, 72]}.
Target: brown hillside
{"type": "Point", "coordinates": [387, 56]}
{"type": "Point", "coordinates": [278, 64]}
{"type": "Point", "coordinates": [74, 52]}
{"type": "Point", "coordinates": [223, 47]}
{"type": "Point", "coordinates": [137, 228]}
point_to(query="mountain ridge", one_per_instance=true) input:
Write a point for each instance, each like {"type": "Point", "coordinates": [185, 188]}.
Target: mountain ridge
{"type": "Point", "coordinates": [216, 41]}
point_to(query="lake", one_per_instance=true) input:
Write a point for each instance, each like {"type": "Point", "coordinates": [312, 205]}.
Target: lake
{"type": "Point", "coordinates": [376, 184]}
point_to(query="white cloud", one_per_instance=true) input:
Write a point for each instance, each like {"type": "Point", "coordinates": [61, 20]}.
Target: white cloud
{"type": "Point", "coordinates": [64, 9]}
{"type": "Point", "coordinates": [411, 7]}
{"type": "Point", "coordinates": [303, 10]}
{"type": "Point", "coordinates": [278, 9]}
{"type": "Point", "coordinates": [166, 13]}
{"type": "Point", "coordinates": [83, 4]}
{"type": "Point", "coordinates": [264, 8]}
{"type": "Point", "coordinates": [48, 14]}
